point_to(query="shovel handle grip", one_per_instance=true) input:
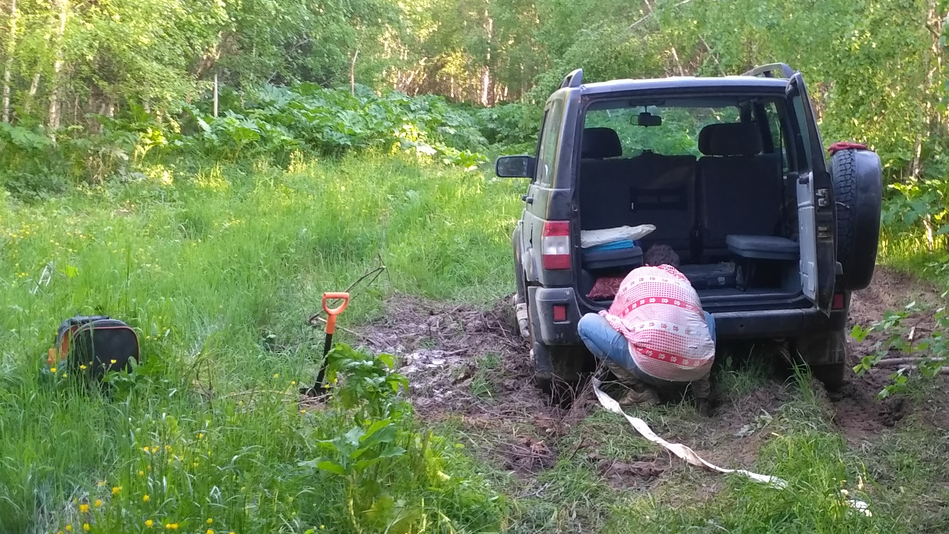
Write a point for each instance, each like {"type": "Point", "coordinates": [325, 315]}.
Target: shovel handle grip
{"type": "Point", "coordinates": [331, 313]}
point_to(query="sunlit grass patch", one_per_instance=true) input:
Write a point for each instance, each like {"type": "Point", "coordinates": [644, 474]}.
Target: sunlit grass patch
{"type": "Point", "coordinates": [218, 271]}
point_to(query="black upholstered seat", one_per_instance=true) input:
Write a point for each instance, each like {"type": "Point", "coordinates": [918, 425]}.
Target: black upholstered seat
{"type": "Point", "coordinates": [647, 189]}
{"type": "Point", "coordinates": [761, 247]}
{"type": "Point", "coordinates": [742, 192]}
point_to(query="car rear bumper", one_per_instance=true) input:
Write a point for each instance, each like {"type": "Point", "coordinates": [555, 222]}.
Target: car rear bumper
{"type": "Point", "coordinates": [541, 301]}
{"type": "Point", "coordinates": [777, 323]}
{"type": "Point", "coordinates": [772, 323]}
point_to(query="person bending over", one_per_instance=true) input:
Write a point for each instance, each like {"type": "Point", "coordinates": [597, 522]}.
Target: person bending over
{"type": "Point", "coordinates": [655, 334]}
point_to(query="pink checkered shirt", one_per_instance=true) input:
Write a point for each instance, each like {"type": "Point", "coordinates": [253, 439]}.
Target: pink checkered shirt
{"type": "Point", "coordinates": [659, 313]}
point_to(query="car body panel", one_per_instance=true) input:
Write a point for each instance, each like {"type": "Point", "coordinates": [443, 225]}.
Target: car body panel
{"type": "Point", "coordinates": [552, 196]}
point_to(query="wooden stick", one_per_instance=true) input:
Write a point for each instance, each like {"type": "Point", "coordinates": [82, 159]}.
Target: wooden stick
{"type": "Point", "coordinates": [942, 370]}
{"type": "Point", "coordinates": [897, 362]}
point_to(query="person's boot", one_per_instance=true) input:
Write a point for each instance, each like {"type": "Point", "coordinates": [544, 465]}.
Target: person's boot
{"type": "Point", "coordinates": [702, 390]}
{"type": "Point", "coordinates": [639, 394]}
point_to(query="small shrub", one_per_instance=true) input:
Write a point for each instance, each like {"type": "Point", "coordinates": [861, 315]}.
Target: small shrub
{"type": "Point", "coordinates": [899, 334]}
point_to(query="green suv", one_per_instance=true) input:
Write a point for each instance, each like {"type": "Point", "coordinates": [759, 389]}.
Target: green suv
{"type": "Point", "coordinates": [731, 171]}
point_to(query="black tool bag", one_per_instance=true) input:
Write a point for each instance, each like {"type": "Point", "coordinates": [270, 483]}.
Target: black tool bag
{"type": "Point", "coordinates": [93, 345]}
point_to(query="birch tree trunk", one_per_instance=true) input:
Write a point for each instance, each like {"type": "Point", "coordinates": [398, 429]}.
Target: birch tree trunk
{"type": "Point", "coordinates": [53, 119]}
{"type": "Point", "coordinates": [352, 74]}
{"type": "Point", "coordinates": [486, 73]}
{"type": "Point", "coordinates": [8, 67]}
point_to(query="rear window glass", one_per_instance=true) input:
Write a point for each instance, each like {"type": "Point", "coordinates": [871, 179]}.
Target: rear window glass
{"type": "Point", "coordinates": [671, 128]}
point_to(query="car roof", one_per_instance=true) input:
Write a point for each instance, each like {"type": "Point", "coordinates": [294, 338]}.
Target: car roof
{"type": "Point", "coordinates": [675, 83]}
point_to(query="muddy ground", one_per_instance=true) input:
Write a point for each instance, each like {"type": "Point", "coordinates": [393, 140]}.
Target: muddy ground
{"type": "Point", "coordinates": [472, 366]}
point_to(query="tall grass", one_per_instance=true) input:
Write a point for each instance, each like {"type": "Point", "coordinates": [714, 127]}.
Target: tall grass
{"type": "Point", "coordinates": [217, 271]}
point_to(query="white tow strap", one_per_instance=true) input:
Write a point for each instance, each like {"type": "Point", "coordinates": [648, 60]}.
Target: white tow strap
{"type": "Point", "coordinates": [678, 449]}
{"type": "Point", "coordinates": [689, 455]}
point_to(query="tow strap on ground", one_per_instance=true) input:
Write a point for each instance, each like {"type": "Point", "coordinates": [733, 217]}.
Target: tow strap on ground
{"type": "Point", "coordinates": [678, 449]}
{"type": "Point", "coordinates": [689, 455]}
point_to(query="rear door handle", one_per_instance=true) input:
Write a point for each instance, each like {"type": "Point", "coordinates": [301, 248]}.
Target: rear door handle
{"type": "Point", "coordinates": [529, 200]}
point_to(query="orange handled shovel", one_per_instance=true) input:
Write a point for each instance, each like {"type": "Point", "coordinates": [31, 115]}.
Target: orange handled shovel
{"type": "Point", "coordinates": [331, 314]}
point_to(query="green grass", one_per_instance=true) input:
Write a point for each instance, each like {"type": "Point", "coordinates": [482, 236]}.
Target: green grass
{"type": "Point", "coordinates": [801, 448]}
{"type": "Point", "coordinates": [218, 271]}
{"type": "Point", "coordinates": [909, 252]}
{"type": "Point", "coordinates": [481, 384]}
{"type": "Point", "coordinates": [206, 267]}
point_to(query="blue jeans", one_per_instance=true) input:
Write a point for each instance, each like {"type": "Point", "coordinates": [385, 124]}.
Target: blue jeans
{"type": "Point", "coordinates": [611, 347]}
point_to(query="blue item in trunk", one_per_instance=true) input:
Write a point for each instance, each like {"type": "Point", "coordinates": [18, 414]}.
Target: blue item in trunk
{"type": "Point", "coordinates": [616, 255]}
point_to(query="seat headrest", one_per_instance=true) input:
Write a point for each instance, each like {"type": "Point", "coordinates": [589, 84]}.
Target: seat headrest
{"type": "Point", "coordinates": [730, 139]}
{"type": "Point", "coordinates": [599, 143]}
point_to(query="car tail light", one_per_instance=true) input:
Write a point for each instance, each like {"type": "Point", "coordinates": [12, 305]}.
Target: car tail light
{"type": "Point", "coordinates": [560, 313]}
{"type": "Point", "coordinates": [555, 245]}
{"type": "Point", "coordinates": [838, 303]}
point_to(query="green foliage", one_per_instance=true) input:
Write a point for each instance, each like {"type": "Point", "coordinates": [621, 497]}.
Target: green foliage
{"type": "Point", "coordinates": [272, 122]}
{"type": "Point", "coordinates": [898, 335]}
{"type": "Point", "coordinates": [367, 379]}
{"type": "Point", "coordinates": [278, 121]}
{"type": "Point", "coordinates": [916, 212]}
{"type": "Point", "coordinates": [202, 265]}
{"type": "Point", "coordinates": [509, 124]}
{"type": "Point", "coordinates": [382, 455]}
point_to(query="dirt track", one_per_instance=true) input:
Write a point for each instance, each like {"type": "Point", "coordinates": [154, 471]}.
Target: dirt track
{"type": "Point", "coordinates": [466, 364]}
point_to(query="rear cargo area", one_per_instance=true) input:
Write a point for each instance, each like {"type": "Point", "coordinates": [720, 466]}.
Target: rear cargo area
{"type": "Point", "coordinates": [729, 212]}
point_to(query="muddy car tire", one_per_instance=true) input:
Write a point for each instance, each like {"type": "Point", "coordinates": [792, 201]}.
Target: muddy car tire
{"type": "Point", "coordinates": [830, 374]}
{"type": "Point", "coordinates": [858, 194]}
{"type": "Point", "coordinates": [556, 368]}
{"type": "Point", "coordinates": [543, 370]}
{"type": "Point", "coordinates": [825, 355]}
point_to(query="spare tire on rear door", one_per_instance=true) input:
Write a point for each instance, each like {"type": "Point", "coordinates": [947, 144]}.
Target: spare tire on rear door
{"type": "Point", "coordinates": [858, 192]}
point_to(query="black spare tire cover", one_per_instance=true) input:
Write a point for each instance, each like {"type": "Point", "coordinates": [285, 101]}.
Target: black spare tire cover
{"type": "Point", "coordinates": [858, 193]}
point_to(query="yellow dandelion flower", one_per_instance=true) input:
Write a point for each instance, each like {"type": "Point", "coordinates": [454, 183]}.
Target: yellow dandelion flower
{"type": "Point", "coordinates": [276, 375]}
{"type": "Point", "coordinates": [168, 448]}
{"type": "Point", "coordinates": [98, 503]}
{"type": "Point", "coordinates": [116, 490]}
{"type": "Point", "coordinates": [149, 523]}
{"type": "Point", "coordinates": [82, 367]}
{"type": "Point", "coordinates": [141, 473]}
{"type": "Point", "coordinates": [68, 528]}
{"type": "Point", "coordinates": [154, 448]}
{"type": "Point", "coordinates": [86, 527]}
{"type": "Point", "coordinates": [201, 435]}
{"type": "Point", "coordinates": [145, 449]}
{"type": "Point", "coordinates": [65, 375]}
{"type": "Point", "coordinates": [209, 521]}
{"type": "Point", "coordinates": [293, 382]}
{"type": "Point", "coordinates": [196, 464]}
{"type": "Point", "coordinates": [146, 498]}
{"type": "Point", "coordinates": [83, 508]}
{"type": "Point", "coordinates": [52, 369]}
{"type": "Point", "coordinates": [113, 362]}
{"type": "Point", "coordinates": [209, 531]}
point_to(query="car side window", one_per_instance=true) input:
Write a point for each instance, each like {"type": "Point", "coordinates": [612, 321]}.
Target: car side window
{"type": "Point", "coordinates": [777, 134]}
{"type": "Point", "coordinates": [547, 147]}
{"type": "Point", "coordinates": [801, 134]}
